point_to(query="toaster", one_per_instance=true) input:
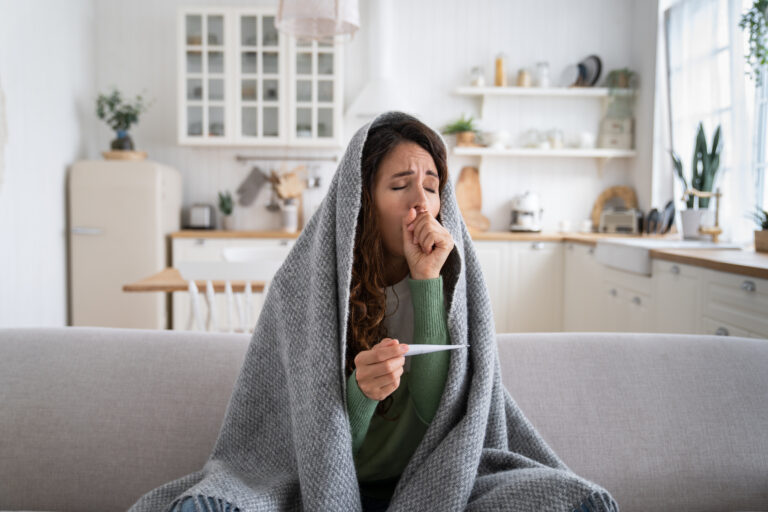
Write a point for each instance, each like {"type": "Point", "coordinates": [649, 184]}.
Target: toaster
{"type": "Point", "coordinates": [619, 221]}
{"type": "Point", "coordinates": [201, 216]}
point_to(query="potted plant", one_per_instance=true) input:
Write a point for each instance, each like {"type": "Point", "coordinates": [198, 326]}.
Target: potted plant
{"type": "Point", "coordinates": [623, 78]}
{"type": "Point", "coordinates": [703, 171]}
{"type": "Point", "coordinates": [465, 130]}
{"type": "Point", "coordinates": [756, 21]}
{"type": "Point", "coordinates": [120, 115]}
{"type": "Point", "coordinates": [226, 205]}
{"type": "Point", "coordinates": [761, 235]}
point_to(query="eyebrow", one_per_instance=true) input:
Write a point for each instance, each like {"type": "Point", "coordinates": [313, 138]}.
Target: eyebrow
{"type": "Point", "coordinates": [409, 172]}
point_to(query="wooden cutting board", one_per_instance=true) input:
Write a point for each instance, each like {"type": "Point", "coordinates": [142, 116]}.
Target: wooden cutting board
{"type": "Point", "coordinates": [470, 199]}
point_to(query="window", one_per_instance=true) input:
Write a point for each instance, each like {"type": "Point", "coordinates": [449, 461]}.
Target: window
{"type": "Point", "coordinates": [707, 84]}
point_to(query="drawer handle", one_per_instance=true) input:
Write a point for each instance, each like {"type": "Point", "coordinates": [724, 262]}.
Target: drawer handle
{"type": "Point", "coordinates": [748, 286]}
{"type": "Point", "coordinates": [283, 242]}
{"type": "Point", "coordinates": [537, 245]}
{"type": "Point", "coordinates": [675, 269]}
{"type": "Point", "coordinates": [613, 292]}
{"type": "Point", "coordinates": [636, 300]}
{"type": "Point", "coordinates": [199, 241]}
{"type": "Point", "coordinates": [570, 247]}
{"type": "Point", "coordinates": [721, 331]}
{"type": "Point", "coordinates": [591, 250]}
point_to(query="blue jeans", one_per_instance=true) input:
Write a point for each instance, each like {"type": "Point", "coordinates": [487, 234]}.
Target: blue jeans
{"type": "Point", "coordinates": [188, 505]}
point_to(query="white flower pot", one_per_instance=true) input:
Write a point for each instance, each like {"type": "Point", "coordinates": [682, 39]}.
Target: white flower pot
{"type": "Point", "coordinates": [692, 219]}
{"type": "Point", "coordinates": [228, 222]}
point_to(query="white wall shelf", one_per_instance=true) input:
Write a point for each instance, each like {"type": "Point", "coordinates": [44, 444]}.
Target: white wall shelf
{"type": "Point", "coordinates": [601, 155]}
{"type": "Point", "coordinates": [585, 92]}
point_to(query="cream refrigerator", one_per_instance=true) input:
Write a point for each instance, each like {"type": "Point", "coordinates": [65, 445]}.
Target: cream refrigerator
{"type": "Point", "coordinates": [120, 213]}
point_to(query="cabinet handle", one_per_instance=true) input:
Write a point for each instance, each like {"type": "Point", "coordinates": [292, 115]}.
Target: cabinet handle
{"type": "Point", "coordinates": [87, 231]}
{"type": "Point", "coordinates": [748, 286]}
{"type": "Point", "coordinates": [636, 300]}
{"type": "Point", "coordinates": [675, 269]}
{"type": "Point", "coordinates": [613, 292]}
{"type": "Point", "coordinates": [283, 242]}
{"type": "Point", "coordinates": [721, 331]}
{"type": "Point", "coordinates": [591, 250]}
{"type": "Point", "coordinates": [537, 245]}
{"type": "Point", "coordinates": [199, 241]}
{"type": "Point", "coordinates": [570, 247]}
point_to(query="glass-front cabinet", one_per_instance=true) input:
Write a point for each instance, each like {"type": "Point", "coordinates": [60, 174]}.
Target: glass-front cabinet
{"type": "Point", "coordinates": [241, 82]}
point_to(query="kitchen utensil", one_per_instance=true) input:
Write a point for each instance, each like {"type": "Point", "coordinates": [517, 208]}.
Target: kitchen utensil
{"type": "Point", "coordinates": [652, 221]}
{"type": "Point", "coordinates": [569, 76]}
{"type": "Point", "coordinates": [589, 71]}
{"type": "Point", "coordinates": [668, 217]}
{"type": "Point", "coordinates": [251, 186]}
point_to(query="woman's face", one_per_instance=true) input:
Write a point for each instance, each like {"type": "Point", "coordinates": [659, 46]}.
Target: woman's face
{"type": "Point", "coordinates": [407, 177]}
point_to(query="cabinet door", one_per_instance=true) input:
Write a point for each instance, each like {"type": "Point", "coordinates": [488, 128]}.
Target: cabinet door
{"type": "Point", "coordinates": [492, 257]}
{"type": "Point", "coordinates": [260, 73]}
{"type": "Point", "coordinates": [204, 76]}
{"type": "Point", "coordinates": [738, 300]}
{"type": "Point", "coordinates": [613, 307]}
{"type": "Point", "coordinates": [676, 290]}
{"type": "Point", "coordinates": [535, 287]}
{"type": "Point", "coordinates": [721, 328]}
{"type": "Point", "coordinates": [315, 93]}
{"type": "Point", "coordinates": [582, 291]}
{"type": "Point", "coordinates": [638, 311]}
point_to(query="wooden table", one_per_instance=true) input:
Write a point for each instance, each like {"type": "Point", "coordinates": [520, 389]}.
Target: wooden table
{"type": "Point", "coordinates": [170, 280]}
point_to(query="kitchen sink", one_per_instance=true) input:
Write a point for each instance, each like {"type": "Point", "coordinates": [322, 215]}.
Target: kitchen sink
{"type": "Point", "coordinates": [633, 254]}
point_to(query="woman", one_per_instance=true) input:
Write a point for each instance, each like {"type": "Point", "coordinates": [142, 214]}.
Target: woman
{"type": "Point", "coordinates": [327, 414]}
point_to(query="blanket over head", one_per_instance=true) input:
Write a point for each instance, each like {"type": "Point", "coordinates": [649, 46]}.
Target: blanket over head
{"type": "Point", "coordinates": [286, 443]}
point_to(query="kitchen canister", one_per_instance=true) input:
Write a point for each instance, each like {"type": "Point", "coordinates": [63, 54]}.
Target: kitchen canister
{"type": "Point", "coordinates": [500, 79]}
{"type": "Point", "coordinates": [290, 213]}
{"type": "Point", "coordinates": [523, 78]}
{"type": "Point", "coordinates": [542, 74]}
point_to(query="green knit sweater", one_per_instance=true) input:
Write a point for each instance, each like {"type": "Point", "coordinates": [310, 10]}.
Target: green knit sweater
{"type": "Point", "coordinates": [383, 445]}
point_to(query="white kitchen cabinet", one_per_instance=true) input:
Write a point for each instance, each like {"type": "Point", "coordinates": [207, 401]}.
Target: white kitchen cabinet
{"type": "Point", "coordinates": [493, 263]}
{"type": "Point", "coordinates": [676, 288]}
{"type": "Point", "coordinates": [582, 293]}
{"type": "Point", "coordinates": [524, 281]}
{"type": "Point", "coordinates": [735, 302]}
{"type": "Point", "coordinates": [241, 82]}
{"type": "Point", "coordinates": [210, 249]}
{"type": "Point", "coordinates": [627, 301]}
{"type": "Point", "coordinates": [535, 287]}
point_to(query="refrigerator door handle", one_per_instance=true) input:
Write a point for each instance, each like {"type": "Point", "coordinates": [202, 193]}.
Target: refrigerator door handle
{"type": "Point", "coordinates": [87, 231]}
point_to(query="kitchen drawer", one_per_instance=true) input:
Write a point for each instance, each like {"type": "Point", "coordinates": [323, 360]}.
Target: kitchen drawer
{"type": "Point", "coordinates": [209, 249]}
{"type": "Point", "coordinates": [738, 300]}
{"type": "Point", "coordinates": [713, 326]}
{"type": "Point", "coordinates": [630, 280]}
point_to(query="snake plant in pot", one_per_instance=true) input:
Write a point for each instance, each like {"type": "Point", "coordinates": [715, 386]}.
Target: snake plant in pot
{"type": "Point", "coordinates": [704, 168]}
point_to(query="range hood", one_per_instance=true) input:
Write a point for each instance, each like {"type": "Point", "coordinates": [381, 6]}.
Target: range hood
{"type": "Point", "coordinates": [381, 93]}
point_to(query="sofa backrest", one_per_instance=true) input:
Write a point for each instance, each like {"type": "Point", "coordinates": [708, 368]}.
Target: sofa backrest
{"type": "Point", "coordinates": [662, 421]}
{"type": "Point", "coordinates": [92, 418]}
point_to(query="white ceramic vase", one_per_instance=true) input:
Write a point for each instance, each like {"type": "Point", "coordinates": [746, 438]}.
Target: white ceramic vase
{"type": "Point", "coordinates": [692, 219]}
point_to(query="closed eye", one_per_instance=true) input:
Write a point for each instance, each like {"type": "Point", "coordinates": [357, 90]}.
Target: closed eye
{"type": "Point", "coordinates": [400, 188]}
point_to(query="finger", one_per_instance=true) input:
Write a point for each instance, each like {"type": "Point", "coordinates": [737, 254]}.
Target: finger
{"type": "Point", "coordinates": [407, 236]}
{"type": "Point", "coordinates": [388, 353]}
{"type": "Point", "coordinates": [429, 242]}
{"type": "Point", "coordinates": [386, 367]}
{"type": "Point", "coordinates": [422, 231]}
{"type": "Point", "coordinates": [420, 215]}
{"type": "Point", "coordinates": [388, 378]}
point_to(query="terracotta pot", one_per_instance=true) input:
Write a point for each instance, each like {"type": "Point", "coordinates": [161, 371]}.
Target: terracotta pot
{"type": "Point", "coordinates": [761, 240]}
{"type": "Point", "coordinates": [465, 138]}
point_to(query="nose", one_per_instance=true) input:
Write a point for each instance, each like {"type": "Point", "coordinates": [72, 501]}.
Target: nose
{"type": "Point", "coordinates": [420, 201]}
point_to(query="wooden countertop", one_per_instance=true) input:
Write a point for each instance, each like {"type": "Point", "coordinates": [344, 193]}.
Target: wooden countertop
{"type": "Point", "coordinates": [746, 261]}
{"type": "Point", "coordinates": [170, 280]}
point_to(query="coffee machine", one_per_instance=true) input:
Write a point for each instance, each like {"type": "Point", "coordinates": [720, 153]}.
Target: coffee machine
{"type": "Point", "coordinates": [526, 212]}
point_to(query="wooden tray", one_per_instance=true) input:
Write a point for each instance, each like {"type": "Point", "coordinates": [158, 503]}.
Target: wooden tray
{"type": "Point", "coordinates": [124, 155]}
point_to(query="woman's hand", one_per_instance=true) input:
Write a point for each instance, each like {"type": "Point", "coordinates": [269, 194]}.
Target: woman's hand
{"type": "Point", "coordinates": [426, 244]}
{"type": "Point", "coordinates": [379, 369]}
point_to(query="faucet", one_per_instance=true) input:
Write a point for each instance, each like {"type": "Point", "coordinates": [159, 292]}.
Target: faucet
{"type": "Point", "coordinates": [712, 230]}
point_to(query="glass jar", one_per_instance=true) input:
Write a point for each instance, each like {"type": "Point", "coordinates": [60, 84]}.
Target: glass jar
{"type": "Point", "coordinates": [542, 74]}
{"type": "Point", "coordinates": [501, 75]}
{"type": "Point", "coordinates": [477, 77]}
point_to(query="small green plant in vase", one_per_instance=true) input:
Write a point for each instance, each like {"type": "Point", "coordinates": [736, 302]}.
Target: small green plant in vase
{"type": "Point", "coordinates": [120, 115]}
{"type": "Point", "coordinates": [226, 206]}
{"type": "Point", "coordinates": [465, 130]}
{"type": "Point", "coordinates": [704, 167]}
{"type": "Point", "coordinates": [760, 216]}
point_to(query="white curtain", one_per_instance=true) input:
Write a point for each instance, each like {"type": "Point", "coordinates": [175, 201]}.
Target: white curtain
{"type": "Point", "coordinates": [706, 82]}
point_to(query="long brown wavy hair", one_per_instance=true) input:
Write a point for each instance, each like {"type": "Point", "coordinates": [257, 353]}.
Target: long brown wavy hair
{"type": "Point", "coordinates": [367, 298]}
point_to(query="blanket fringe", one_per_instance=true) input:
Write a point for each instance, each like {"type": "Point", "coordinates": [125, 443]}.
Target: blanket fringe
{"type": "Point", "coordinates": [598, 501]}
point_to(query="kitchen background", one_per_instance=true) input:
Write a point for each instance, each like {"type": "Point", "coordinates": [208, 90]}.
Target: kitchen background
{"type": "Point", "coordinates": [56, 56]}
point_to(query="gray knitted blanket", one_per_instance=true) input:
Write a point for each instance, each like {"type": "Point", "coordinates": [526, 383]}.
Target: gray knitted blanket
{"type": "Point", "coordinates": [285, 442]}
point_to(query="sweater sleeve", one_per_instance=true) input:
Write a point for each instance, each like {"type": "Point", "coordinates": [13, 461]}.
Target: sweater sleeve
{"type": "Point", "coordinates": [361, 409]}
{"type": "Point", "coordinates": [428, 372]}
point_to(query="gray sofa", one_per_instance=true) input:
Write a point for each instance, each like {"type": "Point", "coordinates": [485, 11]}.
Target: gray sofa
{"type": "Point", "coordinates": [92, 418]}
